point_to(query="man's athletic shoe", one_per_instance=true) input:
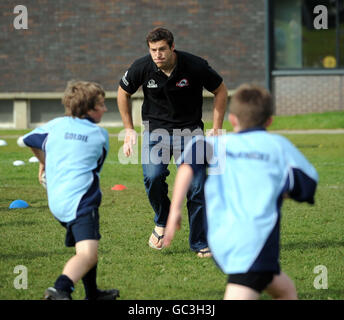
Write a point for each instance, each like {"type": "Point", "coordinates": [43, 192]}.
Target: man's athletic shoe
{"type": "Point", "coordinates": [105, 295]}
{"type": "Point", "coordinates": [54, 294]}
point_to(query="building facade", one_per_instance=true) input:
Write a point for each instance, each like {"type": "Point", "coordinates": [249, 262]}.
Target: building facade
{"type": "Point", "coordinates": [306, 55]}
{"type": "Point", "coordinates": [293, 47]}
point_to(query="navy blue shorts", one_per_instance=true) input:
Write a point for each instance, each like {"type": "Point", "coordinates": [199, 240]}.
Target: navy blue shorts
{"type": "Point", "coordinates": [257, 281]}
{"type": "Point", "coordinates": [84, 227]}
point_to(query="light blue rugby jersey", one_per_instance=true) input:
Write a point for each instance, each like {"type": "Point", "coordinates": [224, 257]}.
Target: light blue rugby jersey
{"type": "Point", "coordinates": [75, 151]}
{"type": "Point", "coordinates": [247, 176]}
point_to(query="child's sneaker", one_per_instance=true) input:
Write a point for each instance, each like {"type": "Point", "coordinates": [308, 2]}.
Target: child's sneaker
{"type": "Point", "coordinates": [106, 295]}
{"type": "Point", "coordinates": [54, 294]}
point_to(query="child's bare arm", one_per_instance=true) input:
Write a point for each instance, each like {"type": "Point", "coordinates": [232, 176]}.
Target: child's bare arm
{"type": "Point", "coordinates": [181, 186]}
{"type": "Point", "coordinates": [41, 157]}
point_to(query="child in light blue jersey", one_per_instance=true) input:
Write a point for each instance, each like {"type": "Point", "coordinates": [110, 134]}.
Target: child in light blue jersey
{"type": "Point", "coordinates": [72, 150]}
{"type": "Point", "coordinates": [250, 172]}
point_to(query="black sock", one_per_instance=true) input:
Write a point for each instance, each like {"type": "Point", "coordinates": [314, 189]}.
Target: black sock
{"type": "Point", "coordinates": [90, 283]}
{"type": "Point", "coordinates": [63, 283]}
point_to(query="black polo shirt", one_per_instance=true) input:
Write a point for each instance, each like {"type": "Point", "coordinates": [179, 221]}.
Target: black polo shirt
{"type": "Point", "coordinates": [173, 102]}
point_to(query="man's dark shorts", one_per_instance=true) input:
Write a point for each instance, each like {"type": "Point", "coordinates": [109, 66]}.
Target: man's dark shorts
{"type": "Point", "coordinates": [84, 227]}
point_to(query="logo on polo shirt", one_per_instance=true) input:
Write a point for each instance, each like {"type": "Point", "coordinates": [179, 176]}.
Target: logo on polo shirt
{"type": "Point", "coordinates": [124, 79]}
{"type": "Point", "coordinates": [182, 83]}
{"type": "Point", "coordinates": [151, 84]}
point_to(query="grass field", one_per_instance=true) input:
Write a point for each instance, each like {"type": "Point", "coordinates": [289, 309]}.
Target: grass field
{"type": "Point", "coordinates": [311, 235]}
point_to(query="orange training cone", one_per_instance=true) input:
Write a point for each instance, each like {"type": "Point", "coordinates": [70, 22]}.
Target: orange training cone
{"type": "Point", "coordinates": [118, 187]}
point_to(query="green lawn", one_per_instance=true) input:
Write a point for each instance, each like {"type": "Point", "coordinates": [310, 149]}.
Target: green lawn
{"type": "Point", "coordinates": [326, 120]}
{"type": "Point", "coordinates": [311, 235]}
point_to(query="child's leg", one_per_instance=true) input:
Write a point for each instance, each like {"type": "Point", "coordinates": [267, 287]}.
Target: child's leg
{"type": "Point", "coordinates": [282, 288]}
{"type": "Point", "coordinates": [76, 267]}
{"type": "Point", "coordinates": [85, 259]}
{"type": "Point", "coordinates": [90, 283]}
{"type": "Point", "coordinates": [240, 292]}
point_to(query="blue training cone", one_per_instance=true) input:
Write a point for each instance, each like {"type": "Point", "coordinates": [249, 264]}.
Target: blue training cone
{"type": "Point", "coordinates": [18, 204]}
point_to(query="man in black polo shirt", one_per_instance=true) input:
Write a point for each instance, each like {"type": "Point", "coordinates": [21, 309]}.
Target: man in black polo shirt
{"type": "Point", "coordinates": [172, 82]}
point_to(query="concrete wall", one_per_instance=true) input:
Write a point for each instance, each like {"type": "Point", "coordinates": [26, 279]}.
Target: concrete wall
{"type": "Point", "coordinates": [29, 110]}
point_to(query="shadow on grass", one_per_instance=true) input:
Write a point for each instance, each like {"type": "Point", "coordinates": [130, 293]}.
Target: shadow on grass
{"type": "Point", "coordinates": [17, 223]}
{"type": "Point", "coordinates": [300, 146]}
{"type": "Point", "coordinates": [323, 294]}
{"type": "Point", "coordinates": [176, 251]}
{"type": "Point", "coordinates": [30, 255]}
{"type": "Point", "coordinates": [30, 210]}
{"type": "Point", "coordinates": [218, 293]}
{"type": "Point", "coordinates": [302, 245]}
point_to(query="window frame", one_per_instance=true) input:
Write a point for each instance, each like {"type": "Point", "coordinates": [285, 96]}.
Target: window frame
{"type": "Point", "coordinates": [270, 49]}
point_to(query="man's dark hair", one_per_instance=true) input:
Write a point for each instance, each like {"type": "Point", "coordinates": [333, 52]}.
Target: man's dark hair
{"type": "Point", "coordinates": [158, 34]}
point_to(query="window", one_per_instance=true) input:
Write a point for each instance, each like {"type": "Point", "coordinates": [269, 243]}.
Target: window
{"type": "Point", "coordinates": [298, 44]}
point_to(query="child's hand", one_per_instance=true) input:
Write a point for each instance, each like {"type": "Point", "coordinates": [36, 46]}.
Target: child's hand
{"type": "Point", "coordinates": [41, 169]}
{"type": "Point", "coordinates": [173, 223]}
{"type": "Point", "coordinates": [41, 174]}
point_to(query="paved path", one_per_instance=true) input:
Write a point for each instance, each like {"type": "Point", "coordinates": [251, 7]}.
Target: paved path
{"type": "Point", "coordinates": [310, 131]}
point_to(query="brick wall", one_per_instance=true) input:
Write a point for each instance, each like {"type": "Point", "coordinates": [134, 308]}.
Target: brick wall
{"type": "Point", "coordinates": [304, 94]}
{"type": "Point", "coordinates": [97, 39]}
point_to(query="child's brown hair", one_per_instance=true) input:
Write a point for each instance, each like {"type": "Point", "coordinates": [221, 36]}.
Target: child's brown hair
{"type": "Point", "coordinates": [252, 105]}
{"type": "Point", "coordinates": [80, 97]}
